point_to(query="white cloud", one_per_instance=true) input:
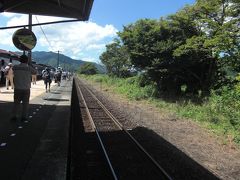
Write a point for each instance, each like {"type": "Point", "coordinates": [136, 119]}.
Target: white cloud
{"type": "Point", "coordinates": [81, 40]}
{"type": "Point", "coordinates": [18, 20]}
{"type": "Point", "coordinates": [6, 37]}
{"type": "Point", "coordinates": [96, 47]}
{"type": "Point", "coordinates": [6, 14]}
{"type": "Point", "coordinates": [89, 59]}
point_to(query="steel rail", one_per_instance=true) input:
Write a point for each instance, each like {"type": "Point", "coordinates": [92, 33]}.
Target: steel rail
{"type": "Point", "coordinates": [98, 135]}
{"type": "Point", "coordinates": [135, 141]}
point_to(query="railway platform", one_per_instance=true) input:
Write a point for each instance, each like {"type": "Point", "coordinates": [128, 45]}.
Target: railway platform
{"type": "Point", "coordinates": [36, 148]}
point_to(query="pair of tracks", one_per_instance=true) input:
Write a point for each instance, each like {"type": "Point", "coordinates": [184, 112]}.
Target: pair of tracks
{"type": "Point", "coordinates": [120, 155]}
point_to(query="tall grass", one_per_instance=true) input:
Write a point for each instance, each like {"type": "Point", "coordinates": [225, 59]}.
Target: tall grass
{"type": "Point", "coordinates": [128, 87]}
{"type": "Point", "coordinates": [220, 112]}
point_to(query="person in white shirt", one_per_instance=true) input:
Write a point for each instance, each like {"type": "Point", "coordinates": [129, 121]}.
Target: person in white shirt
{"type": "Point", "coordinates": [9, 75]}
{"type": "Point", "coordinates": [22, 85]}
{"type": "Point", "coordinates": [34, 77]}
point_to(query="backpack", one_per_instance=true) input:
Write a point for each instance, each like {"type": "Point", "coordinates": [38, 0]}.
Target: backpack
{"type": "Point", "coordinates": [47, 75]}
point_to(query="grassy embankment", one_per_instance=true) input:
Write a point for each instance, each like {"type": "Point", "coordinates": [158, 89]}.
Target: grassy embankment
{"type": "Point", "coordinates": [220, 114]}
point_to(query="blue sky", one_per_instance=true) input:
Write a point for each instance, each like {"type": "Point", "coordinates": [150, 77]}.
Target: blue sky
{"type": "Point", "coordinates": [123, 12]}
{"type": "Point", "coordinates": [87, 40]}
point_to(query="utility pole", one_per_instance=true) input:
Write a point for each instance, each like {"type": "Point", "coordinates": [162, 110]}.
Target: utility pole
{"type": "Point", "coordinates": [58, 60]}
{"type": "Point", "coordinates": [63, 64]}
{"type": "Point", "coordinates": [30, 28]}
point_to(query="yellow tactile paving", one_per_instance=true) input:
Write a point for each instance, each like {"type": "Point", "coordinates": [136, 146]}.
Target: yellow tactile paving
{"type": "Point", "coordinates": [36, 90]}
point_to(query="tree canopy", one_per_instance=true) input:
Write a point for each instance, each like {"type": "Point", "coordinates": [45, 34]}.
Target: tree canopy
{"type": "Point", "coordinates": [88, 68]}
{"type": "Point", "coordinates": [116, 59]}
{"type": "Point", "coordinates": [197, 47]}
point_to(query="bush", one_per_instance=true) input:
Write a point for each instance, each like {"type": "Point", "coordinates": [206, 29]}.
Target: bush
{"type": "Point", "coordinates": [220, 112]}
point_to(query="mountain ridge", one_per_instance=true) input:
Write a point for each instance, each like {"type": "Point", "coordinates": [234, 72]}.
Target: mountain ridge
{"type": "Point", "coordinates": [51, 58]}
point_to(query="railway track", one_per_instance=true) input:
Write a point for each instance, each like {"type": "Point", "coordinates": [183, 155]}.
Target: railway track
{"type": "Point", "coordinates": [110, 151]}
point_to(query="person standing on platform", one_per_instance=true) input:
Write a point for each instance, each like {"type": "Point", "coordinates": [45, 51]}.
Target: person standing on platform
{"type": "Point", "coordinates": [22, 85]}
{"type": "Point", "coordinates": [2, 71]}
{"type": "Point", "coordinates": [47, 77]}
{"type": "Point", "coordinates": [58, 76]}
{"type": "Point", "coordinates": [34, 77]}
{"type": "Point", "coordinates": [9, 75]}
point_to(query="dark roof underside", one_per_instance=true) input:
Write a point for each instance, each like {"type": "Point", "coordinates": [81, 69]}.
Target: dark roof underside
{"type": "Point", "coordinates": [78, 9]}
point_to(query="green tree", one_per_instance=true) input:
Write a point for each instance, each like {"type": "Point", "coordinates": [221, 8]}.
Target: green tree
{"type": "Point", "coordinates": [88, 68]}
{"type": "Point", "coordinates": [218, 21]}
{"type": "Point", "coordinates": [193, 47]}
{"type": "Point", "coordinates": [148, 44]}
{"type": "Point", "coordinates": [116, 59]}
{"type": "Point", "coordinates": [152, 43]}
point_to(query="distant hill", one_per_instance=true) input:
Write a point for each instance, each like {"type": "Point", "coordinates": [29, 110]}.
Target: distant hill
{"type": "Point", "coordinates": [51, 58]}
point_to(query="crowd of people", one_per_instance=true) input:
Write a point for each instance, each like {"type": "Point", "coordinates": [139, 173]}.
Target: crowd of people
{"type": "Point", "coordinates": [48, 75]}
{"type": "Point", "coordinates": [21, 76]}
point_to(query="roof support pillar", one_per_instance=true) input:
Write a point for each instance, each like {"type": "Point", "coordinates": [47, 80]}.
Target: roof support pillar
{"type": "Point", "coordinates": [30, 28]}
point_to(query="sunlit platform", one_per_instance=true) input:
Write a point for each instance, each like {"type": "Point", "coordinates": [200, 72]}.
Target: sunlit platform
{"type": "Point", "coordinates": [36, 90]}
{"type": "Point", "coordinates": [37, 147]}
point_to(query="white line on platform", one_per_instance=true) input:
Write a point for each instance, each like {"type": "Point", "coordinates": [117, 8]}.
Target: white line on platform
{"type": "Point", "coordinates": [3, 144]}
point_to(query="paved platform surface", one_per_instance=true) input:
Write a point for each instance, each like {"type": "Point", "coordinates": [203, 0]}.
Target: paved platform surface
{"type": "Point", "coordinates": [37, 148]}
{"type": "Point", "coordinates": [36, 90]}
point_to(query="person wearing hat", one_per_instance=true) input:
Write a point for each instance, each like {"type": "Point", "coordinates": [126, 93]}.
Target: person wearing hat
{"type": "Point", "coordinates": [9, 75]}
{"type": "Point", "coordinates": [22, 84]}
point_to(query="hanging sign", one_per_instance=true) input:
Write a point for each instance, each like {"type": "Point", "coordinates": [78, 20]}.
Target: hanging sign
{"type": "Point", "coordinates": [24, 39]}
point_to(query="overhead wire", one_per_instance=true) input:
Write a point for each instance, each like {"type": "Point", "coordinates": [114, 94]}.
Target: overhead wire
{"type": "Point", "coordinates": [44, 34]}
{"type": "Point", "coordinates": [66, 52]}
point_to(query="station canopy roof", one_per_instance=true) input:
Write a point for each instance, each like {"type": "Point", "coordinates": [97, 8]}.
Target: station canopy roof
{"type": "Point", "coordinates": [77, 9]}
{"type": "Point", "coordinates": [8, 54]}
